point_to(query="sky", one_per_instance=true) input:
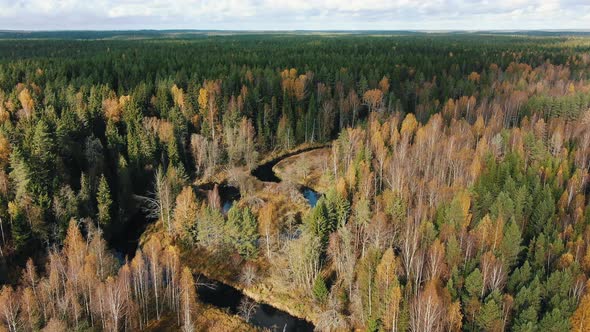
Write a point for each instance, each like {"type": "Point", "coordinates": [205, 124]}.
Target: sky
{"type": "Point", "coordinates": [295, 14]}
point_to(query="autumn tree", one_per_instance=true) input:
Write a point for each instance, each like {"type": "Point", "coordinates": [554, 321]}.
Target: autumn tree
{"type": "Point", "coordinates": [581, 318]}
{"type": "Point", "coordinates": [9, 308]}
{"type": "Point", "coordinates": [188, 300]}
{"type": "Point", "coordinates": [185, 211]}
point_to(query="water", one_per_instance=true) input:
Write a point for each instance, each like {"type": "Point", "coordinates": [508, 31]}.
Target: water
{"type": "Point", "coordinates": [311, 196]}
{"type": "Point", "coordinates": [265, 173]}
{"type": "Point", "coordinates": [226, 297]}
{"type": "Point", "coordinates": [227, 206]}
{"type": "Point", "coordinates": [228, 195]}
{"type": "Point", "coordinates": [126, 241]}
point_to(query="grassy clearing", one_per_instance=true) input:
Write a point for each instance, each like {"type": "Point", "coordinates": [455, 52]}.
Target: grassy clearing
{"type": "Point", "coordinates": [208, 319]}
{"type": "Point", "coordinates": [307, 168]}
{"type": "Point", "coordinates": [227, 268]}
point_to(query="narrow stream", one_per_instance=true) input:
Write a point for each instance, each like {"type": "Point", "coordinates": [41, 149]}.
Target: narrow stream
{"type": "Point", "coordinates": [228, 298]}
{"type": "Point", "coordinates": [264, 171]}
{"type": "Point", "coordinates": [213, 292]}
{"type": "Point", "coordinates": [262, 315]}
{"type": "Point", "coordinates": [125, 243]}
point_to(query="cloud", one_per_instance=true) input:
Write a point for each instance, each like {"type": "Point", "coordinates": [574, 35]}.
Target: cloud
{"type": "Point", "coordinates": [302, 14]}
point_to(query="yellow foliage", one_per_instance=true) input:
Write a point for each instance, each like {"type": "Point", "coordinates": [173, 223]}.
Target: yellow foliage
{"type": "Point", "coordinates": [5, 150]}
{"type": "Point", "coordinates": [112, 109]}
{"type": "Point", "coordinates": [27, 102]}
{"type": "Point", "coordinates": [384, 84]}
{"type": "Point", "coordinates": [409, 125]}
{"type": "Point", "coordinates": [478, 126]}
{"type": "Point", "coordinates": [581, 317]}
{"type": "Point", "coordinates": [565, 260]}
{"type": "Point", "coordinates": [571, 89]}
{"type": "Point", "coordinates": [474, 77]}
{"type": "Point", "coordinates": [464, 200]}
{"type": "Point", "coordinates": [177, 96]}
{"type": "Point", "coordinates": [203, 99]}
{"type": "Point", "coordinates": [341, 187]}
{"type": "Point", "coordinates": [455, 317]}
{"type": "Point", "coordinates": [373, 98]}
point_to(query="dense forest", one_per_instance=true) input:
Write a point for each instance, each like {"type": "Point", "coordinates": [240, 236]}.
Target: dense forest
{"type": "Point", "coordinates": [449, 173]}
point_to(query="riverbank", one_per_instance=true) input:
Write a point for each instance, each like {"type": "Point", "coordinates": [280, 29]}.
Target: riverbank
{"type": "Point", "coordinates": [225, 175]}
{"type": "Point", "coordinates": [297, 171]}
{"type": "Point", "coordinates": [227, 270]}
{"type": "Point", "coordinates": [309, 168]}
{"type": "Point", "coordinates": [208, 319]}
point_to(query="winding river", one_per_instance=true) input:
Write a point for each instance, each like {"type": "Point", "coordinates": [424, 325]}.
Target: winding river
{"type": "Point", "coordinates": [263, 315]}
{"type": "Point", "coordinates": [213, 292]}
{"type": "Point", "coordinates": [265, 173]}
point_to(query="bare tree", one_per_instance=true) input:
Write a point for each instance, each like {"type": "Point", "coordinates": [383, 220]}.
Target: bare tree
{"type": "Point", "coordinates": [159, 203]}
{"type": "Point", "coordinates": [247, 308]}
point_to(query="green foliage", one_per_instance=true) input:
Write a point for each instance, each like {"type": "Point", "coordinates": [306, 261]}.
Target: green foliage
{"type": "Point", "coordinates": [320, 290]}
{"type": "Point", "coordinates": [366, 270]}
{"type": "Point", "coordinates": [320, 222]}
{"type": "Point", "coordinates": [474, 283]}
{"type": "Point", "coordinates": [527, 304]}
{"type": "Point", "coordinates": [20, 174]}
{"type": "Point", "coordinates": [21, 232]}
{"type": "Point", "coordinates": [510, 247]}
{"type": "Point", "coordinates": [489, 318]}
{"type": "Point", "coordinates": [103, 198]}
{"type": "Point", "coordinates": [242, 232]}
{"type": "Point", "coordinates": [121, 109]}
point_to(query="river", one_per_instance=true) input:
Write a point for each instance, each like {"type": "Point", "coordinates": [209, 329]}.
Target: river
{"type": "Point", "coordinates": [262, 315]}
{"type": "Point", "coordinates": [265, 173]}
{"type": "Point", "coordinates": [216, 293]}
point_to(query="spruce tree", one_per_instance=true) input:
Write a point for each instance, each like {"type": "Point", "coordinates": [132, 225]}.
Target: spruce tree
{"type": "Point", "coordinates": [320, 290]}
{"type": "Point", "coordinates": [103, 198]}
{"type": "Point", "coordinates": [248, 234]}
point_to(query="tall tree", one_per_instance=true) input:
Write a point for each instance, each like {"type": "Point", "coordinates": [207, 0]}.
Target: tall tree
{"type": "Point", "coordinates": [103, 197]}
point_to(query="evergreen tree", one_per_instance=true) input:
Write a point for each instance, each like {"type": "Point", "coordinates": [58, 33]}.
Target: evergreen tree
{"type": "Point", "coordinates": [103, 198]}
{"type": "Point", "coordinates": [248, 245]}
{"type": "Point", "coordinates": [510, 246]}
{"type": "Point", "coordinates": [20, 230]}
{"type": "Point", "coordinates": [320, 290]}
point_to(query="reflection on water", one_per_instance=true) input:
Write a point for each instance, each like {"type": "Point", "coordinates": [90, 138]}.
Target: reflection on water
{"type": "Point", "coordinates": [225, 195]}
{"type": "Point", "coordinates": [226, 297]}
{"type": "Point", "coordinates": [227, 206]}
{"type": "Point", "coordinates": [311, 196]}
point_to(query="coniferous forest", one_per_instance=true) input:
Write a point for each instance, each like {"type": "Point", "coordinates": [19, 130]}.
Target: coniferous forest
{"type": "Point", "coordinates": [364, 181]}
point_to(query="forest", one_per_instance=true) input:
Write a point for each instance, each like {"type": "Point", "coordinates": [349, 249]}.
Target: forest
{"type": "Point", "coordinates": [371, 182]}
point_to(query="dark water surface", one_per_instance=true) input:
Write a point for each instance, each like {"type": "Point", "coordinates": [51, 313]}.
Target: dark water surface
{"type": "Point", "coordinates": [265, 173]}
{"type": "Point", "coordinates": [226, 297]}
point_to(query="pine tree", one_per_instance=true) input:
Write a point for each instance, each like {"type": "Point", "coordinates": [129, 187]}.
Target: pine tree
{"type": "Point", "coordinates": [474, 283]}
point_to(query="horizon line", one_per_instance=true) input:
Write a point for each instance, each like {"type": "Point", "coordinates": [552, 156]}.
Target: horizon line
{"type": "Point", "coordinates": [297, 30]}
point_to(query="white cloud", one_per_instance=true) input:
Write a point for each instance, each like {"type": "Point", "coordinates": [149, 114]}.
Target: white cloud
{"type": "Point", "coordinates": [303, 14]}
